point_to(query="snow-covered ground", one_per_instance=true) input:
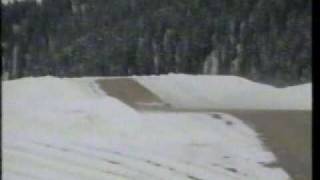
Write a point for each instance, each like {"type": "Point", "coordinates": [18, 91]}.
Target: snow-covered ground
{"type": "Point", "coordinates": [12, 1]}
{"type": "Point", "coordinates": [69, 129]}
{"type": "Point", "coordinates": [225, 92]}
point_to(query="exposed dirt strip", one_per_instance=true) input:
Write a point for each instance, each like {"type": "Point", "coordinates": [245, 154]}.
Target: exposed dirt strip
{"type": "Point", "coordinates": [286, 133]}
{"type": "Point", "coordinates": [130, 92]}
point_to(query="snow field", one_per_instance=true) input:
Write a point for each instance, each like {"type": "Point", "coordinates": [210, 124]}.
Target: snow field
{"type": "Point", "coordinates": [225, 92]}
{"type": "Point", "coordinates": [68, 129]}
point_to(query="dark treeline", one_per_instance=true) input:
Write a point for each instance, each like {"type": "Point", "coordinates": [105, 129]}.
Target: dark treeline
{"type": "Point", "coordinates": [263, 40]}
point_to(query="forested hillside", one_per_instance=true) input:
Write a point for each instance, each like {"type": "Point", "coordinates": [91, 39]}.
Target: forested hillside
{"type": "Point", "coordinates": [264, 40]}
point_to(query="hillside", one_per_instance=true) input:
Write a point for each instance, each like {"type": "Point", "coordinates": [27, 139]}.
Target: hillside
{"type": "Point", "coordinates": [69, 129]}
{"type": "Point", "coordinates": [225, 92]}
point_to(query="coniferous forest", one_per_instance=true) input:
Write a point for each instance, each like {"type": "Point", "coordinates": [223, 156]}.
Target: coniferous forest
{"type": "Point", "coordinates": [263, 40]}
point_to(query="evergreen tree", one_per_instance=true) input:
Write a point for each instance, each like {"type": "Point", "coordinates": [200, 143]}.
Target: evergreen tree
{"type": "Point", "coordinates": [253, 38]}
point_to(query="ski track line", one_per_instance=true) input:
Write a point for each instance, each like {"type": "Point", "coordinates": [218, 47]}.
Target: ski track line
{"type": "Point", "coordinates": [147, 168]}
{"type": "Point", "coordinates": [170, 165]}
{"type": "Point", "coordinates": [85, 156]}
{"type": "Point", "coordinates": [16, 174]}
{"type": "Point", "coordinates": [84, 162]}
{"type": "Point", "coordinates": [157, 167]}
{"type": "Point", "coordinates": [46, 164]}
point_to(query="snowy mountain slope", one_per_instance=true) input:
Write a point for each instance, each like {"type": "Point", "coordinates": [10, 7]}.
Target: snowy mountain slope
{"type": "Point", "coordinates": [225, 92]}
{"type": "Point", "coordinates": [68, 129]}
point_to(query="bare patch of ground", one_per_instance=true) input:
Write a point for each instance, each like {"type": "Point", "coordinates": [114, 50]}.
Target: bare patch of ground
{"type": "Point", "coordinates": [131, 93]}
{"type": "Point", "coordinates": [286, 133]}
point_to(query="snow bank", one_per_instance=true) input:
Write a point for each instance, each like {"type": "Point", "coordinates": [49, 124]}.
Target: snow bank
{"type": "Point", "coordinates": [61, 107]}
{"type": "Point", "coordinates": [12, 1]}
{"type": "Point", "coordinates": [225, 92]}
{"type": "Point", "coordinates": [68, 129]}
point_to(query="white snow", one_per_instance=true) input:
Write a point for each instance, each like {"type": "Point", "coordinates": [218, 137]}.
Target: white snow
{"type": "Point", "coordinates": [11, 1]}
{"type": "Point", "coordinates": [69, 129]}
{"type": "Point", "coordinates": [225, 92]}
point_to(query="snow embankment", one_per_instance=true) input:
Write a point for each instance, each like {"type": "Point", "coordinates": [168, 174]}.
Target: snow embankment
{"type": "Point", "coordinates": [5, 2]}
{"type": "Point", "coordinates": [225, 92]}
{"type": "Point", "coordinates": [68, 129]}
{"type": "Point", "coordinates": [63, 106]}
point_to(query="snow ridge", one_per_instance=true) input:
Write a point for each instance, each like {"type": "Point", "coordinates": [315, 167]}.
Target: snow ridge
{"type": "Point", "coordinates": [225, 92]}
{"type": "Point", "coordinates": [65, 129]}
